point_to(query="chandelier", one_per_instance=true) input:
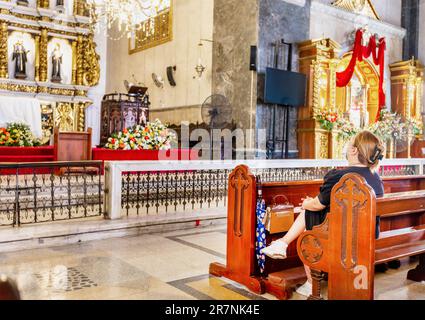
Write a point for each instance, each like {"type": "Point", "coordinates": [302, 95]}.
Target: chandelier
{"type": "Point", "coordinates": [120, 18]}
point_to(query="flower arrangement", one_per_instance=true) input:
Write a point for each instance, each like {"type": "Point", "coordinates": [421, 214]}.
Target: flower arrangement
{"type": "Point", "coordinates": [346, 129]}
{"type": "Point", "coordinates": [389, 126]}
{"type": "Point", "coordinates": [327, 119]}
{"type": "Point", "coordinates": [17, 135]}
{"type": "Point", "coordinates": [153, 136]}
{"type": "Point", "coordinates": [416, 126]}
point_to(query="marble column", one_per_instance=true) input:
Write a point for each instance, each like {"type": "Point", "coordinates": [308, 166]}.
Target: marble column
{"type": "Point", "coordinates": [288, 20]}
{"type": "Point", "coordinates": [410, 21]}
{"type": "Point", "coordinates": [235, 31]}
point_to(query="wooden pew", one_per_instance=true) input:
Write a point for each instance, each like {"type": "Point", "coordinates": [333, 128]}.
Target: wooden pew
{"type": "Point", "coordinates": [345, 248]}
{"type": "Point", "coordinates": [280, 276]}
{"type": "Point", "coordinates": [8, 289]}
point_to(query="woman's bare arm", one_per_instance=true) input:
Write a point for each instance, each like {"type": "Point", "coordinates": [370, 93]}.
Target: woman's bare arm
{"type": "Point", "coordinates": [312, 204]}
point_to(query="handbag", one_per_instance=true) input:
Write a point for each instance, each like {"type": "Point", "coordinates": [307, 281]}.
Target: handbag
{"type": "Point", "coordinates": [279, 216]}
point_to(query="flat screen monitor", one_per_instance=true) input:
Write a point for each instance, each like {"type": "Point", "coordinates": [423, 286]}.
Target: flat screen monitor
{"type": "Point", "coordinates": [285, 88]}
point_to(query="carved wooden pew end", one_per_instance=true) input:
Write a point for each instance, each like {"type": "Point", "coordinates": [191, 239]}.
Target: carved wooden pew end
{"type": "Point", "coordinates": [345, 248]}
{"type": "Point", "coordinates": [280, 277]}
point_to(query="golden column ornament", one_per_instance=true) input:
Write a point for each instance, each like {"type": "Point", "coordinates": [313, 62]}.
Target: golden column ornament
{"type": "Point", "coordinates": [37, 58]}
{"type": "Point", "coordinates": [74, 62]}
{"type": "Point", "coordinates": [91, 66]}
{"type": "Point", "coordinates": [87, 67]}
{"type": "Point", "coordinates": [43, 56]}
{"type": "Point", "coordinates": [80, 110]}
{"type": "Point", "coordinates": [80, 8]}
{"type": "Point", "coordinates": [43, 4]}
{"type": "Point", "coordinates": [3, 50]}
{"type": "Point", "coordinates": [79, 61]}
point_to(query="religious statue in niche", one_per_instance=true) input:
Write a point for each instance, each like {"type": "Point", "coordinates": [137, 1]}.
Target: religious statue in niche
{"type": "Point", "coordinates": [357, 104]}
{"type": "Point", "coordinates": [56, 64]}
{"type": "Point", "coordinates": [20, 56]}
{"type": "Point", "coordinates": [130, 117]}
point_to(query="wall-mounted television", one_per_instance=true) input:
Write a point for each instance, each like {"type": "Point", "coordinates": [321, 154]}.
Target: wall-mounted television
{"type": "Point", "coordinates": [285, 88]}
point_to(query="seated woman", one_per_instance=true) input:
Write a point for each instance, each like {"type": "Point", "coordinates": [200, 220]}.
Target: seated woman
{"type": "Point", "coordinates": [364, 152]}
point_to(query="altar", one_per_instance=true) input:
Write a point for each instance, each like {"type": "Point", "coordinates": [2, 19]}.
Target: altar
{"type": "Point", "coordinates": [50, 57]}
{"type": "Point", "coordinates": [27, 110]}
{"type": "Point", "coordinates": [347, 93]}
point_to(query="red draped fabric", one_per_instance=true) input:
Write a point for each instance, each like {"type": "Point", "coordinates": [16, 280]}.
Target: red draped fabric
{"type": "Point", "coordinates": [361, 52]}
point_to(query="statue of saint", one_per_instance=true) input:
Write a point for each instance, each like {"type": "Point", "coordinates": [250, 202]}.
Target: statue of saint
{"type": "Point", "coordinates": [20, 58]}
{"type": "Point", "coordinates": [56, 64]}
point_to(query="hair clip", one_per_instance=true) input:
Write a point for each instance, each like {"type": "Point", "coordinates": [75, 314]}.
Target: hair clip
{"type": "Point", "coordinates": [377, 155]}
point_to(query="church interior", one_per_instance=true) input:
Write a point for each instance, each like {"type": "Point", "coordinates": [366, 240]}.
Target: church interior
{"type": "Point", "coordinates": [210, 134]}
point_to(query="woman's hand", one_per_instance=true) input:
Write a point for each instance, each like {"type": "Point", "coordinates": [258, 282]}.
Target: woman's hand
{"type": "Point", "coordinates": [305, 202]}
{"type": "Point", "coordinates": [312, 204]}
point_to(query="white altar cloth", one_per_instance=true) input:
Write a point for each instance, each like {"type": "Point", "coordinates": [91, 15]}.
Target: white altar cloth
{"type": "Point", "coordinates": [21, 109]}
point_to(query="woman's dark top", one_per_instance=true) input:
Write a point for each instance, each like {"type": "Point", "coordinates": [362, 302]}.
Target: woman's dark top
{"type": "Point", "coordinates": [314, 218]}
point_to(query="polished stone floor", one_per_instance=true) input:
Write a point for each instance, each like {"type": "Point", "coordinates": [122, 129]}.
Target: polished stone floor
{"type": "Point", "coordinates": [171, 265]}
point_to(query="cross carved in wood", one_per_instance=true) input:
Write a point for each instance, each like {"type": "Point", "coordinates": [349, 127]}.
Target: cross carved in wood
{"type": "Point", "coordinates": [353, 198]}
{"type": "Point", "coordinates": [240, 183]}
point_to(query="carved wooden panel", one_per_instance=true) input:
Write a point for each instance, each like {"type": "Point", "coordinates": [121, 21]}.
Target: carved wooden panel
{"type": "Point", "coordinates": [239, 182]}
{"type": "Point", "coordinates": [120, 112]}
{"type": "Point", "coordinates": [241, 222]}
{"type": "Point", "coordinates": [351, 231]}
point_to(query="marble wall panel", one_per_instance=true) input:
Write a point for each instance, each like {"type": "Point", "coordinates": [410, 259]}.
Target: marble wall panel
{"type": "Point", "coordinates": [279, 20]}
{"type": "Point", "coordinates": [235, 30]}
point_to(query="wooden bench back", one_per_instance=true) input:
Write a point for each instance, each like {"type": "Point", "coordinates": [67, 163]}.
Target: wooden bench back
{"type": "Point", "coordinates": [8, 289]}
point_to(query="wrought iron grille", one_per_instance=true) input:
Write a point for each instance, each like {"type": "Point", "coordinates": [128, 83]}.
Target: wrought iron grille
{"type": "Point", "coordinates": [162, 192]}
{"type": "Point", "coordinates": [42, 192]}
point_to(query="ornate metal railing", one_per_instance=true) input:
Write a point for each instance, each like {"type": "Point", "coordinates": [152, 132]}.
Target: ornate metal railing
{"type": "Point", "coordinates": [51, 191]}
{"type": "Point", "coordinates": [161, 187]}
{"type": "Point", "coordinates": [155, 192]}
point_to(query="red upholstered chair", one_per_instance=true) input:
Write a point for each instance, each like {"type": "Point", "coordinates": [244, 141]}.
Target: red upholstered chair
{"type": "Point", "coordinates": [73, 146]}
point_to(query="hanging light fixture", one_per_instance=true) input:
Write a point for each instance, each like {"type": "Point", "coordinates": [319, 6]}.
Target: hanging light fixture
{"type": "Point", "coordinates": [199, 68]}
{"type": "Point", "coordinates": [125, 16]}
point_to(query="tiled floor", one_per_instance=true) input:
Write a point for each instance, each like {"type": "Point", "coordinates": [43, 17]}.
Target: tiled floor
{"type": "Point", "coordinates": [172, 265]}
